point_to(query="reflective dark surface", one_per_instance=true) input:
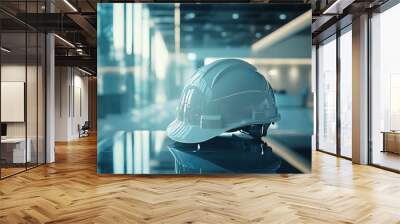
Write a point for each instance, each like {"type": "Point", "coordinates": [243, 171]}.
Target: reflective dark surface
{"type": "Point", "coordinates": [143, 68]}
{"type": "Point", "coordinates": [152, 152]}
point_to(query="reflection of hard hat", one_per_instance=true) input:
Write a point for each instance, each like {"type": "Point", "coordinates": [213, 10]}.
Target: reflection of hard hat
{"type": "Point", "coordinates": [228, 94]}
{"type": "Point", "coordinates": [225, 154]}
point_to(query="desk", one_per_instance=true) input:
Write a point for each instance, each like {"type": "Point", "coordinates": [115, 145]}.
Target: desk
{"type": "Point", "coordinates": [15, 148]}
{"type": "Point", "coordinates": [391, 141]}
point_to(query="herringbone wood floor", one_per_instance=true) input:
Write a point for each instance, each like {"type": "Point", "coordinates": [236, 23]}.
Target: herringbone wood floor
{"type": "Point", "coordinates": [70, 191]}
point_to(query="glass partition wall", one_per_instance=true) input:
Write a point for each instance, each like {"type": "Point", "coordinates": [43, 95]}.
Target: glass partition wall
{"type": "Point", "coordinates": [22, 77]}
{"type": "Point", "coordinates": [334, 94]}
{"type": "Point", "coordinates": [384, 87]}
{"type": "Point", "coordinates": [13, 89]}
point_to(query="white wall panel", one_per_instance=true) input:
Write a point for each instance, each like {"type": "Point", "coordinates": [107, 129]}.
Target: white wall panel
{"type": "Point", "coordinates": [12, 101]}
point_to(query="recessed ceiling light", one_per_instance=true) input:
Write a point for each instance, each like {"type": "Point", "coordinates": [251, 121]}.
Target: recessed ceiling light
{"type": "Point", "coordinates": [273, 72]}
{"type": "Point", "coordinates": [5, 50]}
{"type": "Point", "coordinates": [223, 34]}
{"type": "Point", "coordinates": [71, 6]}
{"type": "Point", "coordinates": [282, 16]}
{"type": "Point", "coordinates": [190, 15]}
{"type": "Point", "coordinates": [258, 35]}
{"type": "Point", "coordinates": [65, 41]}
{"type": "Point", "coordinates": [334, 8]}
{"type": "Point", "coordinates": [191, 56]}
{"type": "Point", "coordinates": [267, 27]}
{"type": "Point", "coordinates": [235, 16]}
{"type": "Point", "coordinates": [84, 71]}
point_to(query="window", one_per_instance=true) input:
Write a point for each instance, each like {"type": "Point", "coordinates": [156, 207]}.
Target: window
{"type": "Point", "coordinates": [327, 96]}
{"type": "Point", "coordinates": [346, 92]}
{"type": "Point", "coordinates": [385, 89]}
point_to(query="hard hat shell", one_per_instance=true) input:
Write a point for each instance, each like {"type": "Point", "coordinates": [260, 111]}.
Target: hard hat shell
{"type": "Point", "coordinates": [224, 95]}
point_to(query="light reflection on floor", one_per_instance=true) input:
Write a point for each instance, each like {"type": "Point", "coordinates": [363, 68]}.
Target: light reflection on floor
{"type": "Point", "coordinates": [386, 159]}
{"type": "Point", "coordinates": [152, 152]}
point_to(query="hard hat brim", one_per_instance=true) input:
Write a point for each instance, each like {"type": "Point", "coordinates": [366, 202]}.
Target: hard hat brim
{"type": "Point", "coordinates": [184, 133]}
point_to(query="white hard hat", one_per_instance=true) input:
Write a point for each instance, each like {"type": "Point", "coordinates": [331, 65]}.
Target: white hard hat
{"type": "Point", "coordinates": [228, 94]}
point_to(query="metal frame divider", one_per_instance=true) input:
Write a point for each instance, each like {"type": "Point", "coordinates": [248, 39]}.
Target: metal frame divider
{"type": "Point", "coordinates": [26, 86]}
{"type": "Point", "coordinates": [369, 78]}
{"type": "Point", "coordinates": [37, 91]}
{"type": "Point", "coordinates": [317, 97]}
{"type": "Point", "coordinates": [338, 98]}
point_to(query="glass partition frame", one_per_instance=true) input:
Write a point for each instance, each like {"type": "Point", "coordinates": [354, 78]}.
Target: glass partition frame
{"type": "Point", "coordinates": [337, 151]}
{"type": "Point", "coordinates": [33, 64]}
{"type": "Point", "coordinates": [375, 71]}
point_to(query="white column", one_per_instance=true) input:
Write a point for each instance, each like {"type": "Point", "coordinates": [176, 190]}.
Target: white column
{"type": "Point", "coordinates": [360, 90]}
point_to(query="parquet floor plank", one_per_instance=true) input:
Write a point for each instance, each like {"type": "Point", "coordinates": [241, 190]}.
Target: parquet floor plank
{"type": "Point", "coordinates": [70, 191]}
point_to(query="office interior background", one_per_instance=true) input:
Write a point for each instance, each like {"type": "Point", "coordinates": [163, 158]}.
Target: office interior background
{"type": "Point", "coordinates": [49, 85]}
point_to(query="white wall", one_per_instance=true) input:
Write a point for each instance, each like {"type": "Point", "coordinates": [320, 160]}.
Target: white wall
{"type": "Point", "coordinates": [71, 87]}
{"type": "Point", "coordinates": [33, 126]}
{"type": "Point", "coordinates": [62, 81]}
{"type": "Point", "coordinates": [12, 73]}
{"type": "Point", "coordinates": [79, 117]}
